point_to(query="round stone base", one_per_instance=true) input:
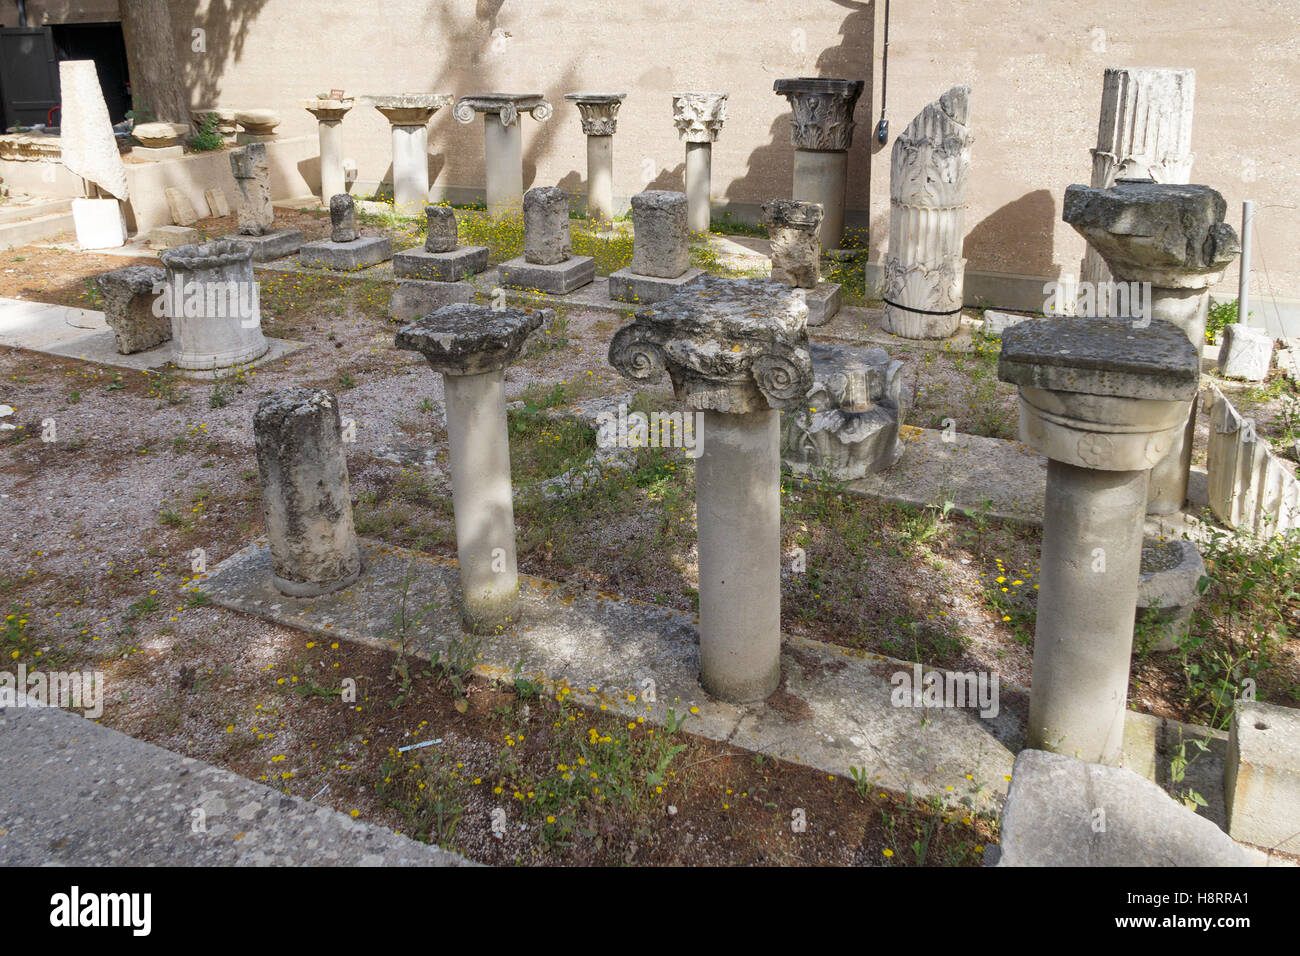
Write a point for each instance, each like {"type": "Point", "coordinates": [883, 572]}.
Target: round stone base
{"type": "Point", "coordinates": [305, 589]}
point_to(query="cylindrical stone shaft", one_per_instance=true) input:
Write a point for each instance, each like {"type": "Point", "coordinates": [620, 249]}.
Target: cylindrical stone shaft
{"type": "Point", "coordinates": [504, 158]}
{"type": "Point", "coordinates": [1092, 551]}
{"type": "Point", "coordinates": [410, 169]}
{"type": "Point", "coordinates": [699, 173]}
{"type": "Point", "coordinates": [332, 180]}
{"type": "Point", "coordinates": [822, 176]}
{"type": "Point", "coordinates": [738, 504]}
{"type": "Point", "coordinates": [305, 493]}
{"type": "Point", "coordinates": [600, 178]}
{"type": "Point", "coordinates": [482, 500]}
{"type": "Point", "coordinates": [1188, 309]}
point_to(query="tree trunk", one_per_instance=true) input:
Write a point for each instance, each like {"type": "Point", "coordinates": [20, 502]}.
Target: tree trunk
{"type": "Point", "coordinates": [156, 84]}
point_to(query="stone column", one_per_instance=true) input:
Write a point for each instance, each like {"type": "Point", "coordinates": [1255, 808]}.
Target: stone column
{"type": "Point", "coordinates": [661, 253]}
{"type": "Point", "coordinates": [409, 114]}
{"type": "Point", "coordinates": [329, 115]}
{"type": "Point", "coordinates": [547, 264]}
{"type": "Point", "coordinates": [252, 171]}
{"type": "Point", "coordinates": [1103, 399]}
{"type": "Point", "coordinates": [794, 228]}
{"type": "Point", "coordinates": [346, 250]}
{"type": "Point", "coordinates": [503, 143]}
{"type": "Point", "coordinates": [1173, 238]}
{"type": "Point", "coordinates": [924, 270]}
{"type": "Point", "coordinates": [699, 117]}
{"type": "Point", "coordinates": [736, 350]}
{"type": "Point", "coordinates": [821, 131]}
{"type": "Point", "coordinates": [305, 494]}
{"type": "Point", "coordinates": [1145, 132]}
{"type": "Point", "coordinates": [212, 301]}
{"type": "Point", "coordinates": [471, 345]}
{"type": "Point", "coordinates": [599, 115]}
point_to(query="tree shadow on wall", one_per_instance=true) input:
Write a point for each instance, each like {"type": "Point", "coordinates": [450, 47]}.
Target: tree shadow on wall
{"type": "Point", "coordinates": [1021, 232]}
{"type": "Point", "coordinates": [225, 25]}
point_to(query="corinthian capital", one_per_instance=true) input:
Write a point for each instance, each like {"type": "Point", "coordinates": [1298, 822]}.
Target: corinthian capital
{"type": "Point", "coordinates": [699, 116]}
{"type": "Point", "coordinates": [598, 111]}
{"type": "Point", "coordinates": [823, 111]}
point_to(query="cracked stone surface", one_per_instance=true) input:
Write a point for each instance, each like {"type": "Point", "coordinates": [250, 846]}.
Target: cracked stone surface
{"type": "Point", "coordinates": [469, 339]}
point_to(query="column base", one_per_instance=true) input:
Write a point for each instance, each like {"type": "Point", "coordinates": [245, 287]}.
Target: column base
{"type": "Point", "coordinates": [271, 245]}
{"type": "Point", "coordinates": [419, 263]}
{"type": "Point", "coordinates": [558, 279]}
{"type": "Point", "coordinates": [627, 286]}
{"type": "Point", "coordinates": [360, 253]}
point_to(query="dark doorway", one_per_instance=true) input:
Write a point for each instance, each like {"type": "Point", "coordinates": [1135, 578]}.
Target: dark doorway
{"type": "Point", "coordinates": [29, 75]}
{"type": "Point", "coordinates": [103, 43]}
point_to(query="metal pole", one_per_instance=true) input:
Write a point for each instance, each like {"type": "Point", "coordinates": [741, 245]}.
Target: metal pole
{"type": "Point", "coordinates": [1243, 283]}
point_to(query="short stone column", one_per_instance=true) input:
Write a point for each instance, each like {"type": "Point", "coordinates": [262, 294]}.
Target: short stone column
{"type": "Point", "coordinates": [409, 115]}
{"type": "Point", "coordinates": [471, 345]}
{"type": "Point", "coordinates": [305, 494]}
{"type": "Point", "coordinates": [699, 117]}
{"type": "Point", "coordinates": [821, 131]}
{"type": "Point", "coordinates": [1103, 400]}
{"type": "Point", "coordinates": [130, 307]}
{"type": "Point", "coordinates": [599, 115]}
{"type": "Point", "coordinates": [329, 115]}
{"type": "Point", "coordinates": [1174, 238]}
{"type": "Point", "coordinates": [503, 147]}
{"type": "Point", "coordinates": [736, 350]}
{"type": "Point", "coordinates": [441, 258]}
{"type": "Point", "coordinates": [794, 228]}
{"type": "Point", "coordinates": [212, 302]}
{"type": "Point", "coordinates": [661, 251]}
{"type": "Point", "coordinates": [256, 126]}
{"type": "Point", "coordinates": [548, 264]}
{"type": "Point", "coordinates": [924, 270]}
{"type": "Point", "coordinates": [346, 250]}
{"type": "Point", "coordinates": [159, 141]}
{"type": "Point", "coordinates": [251, 168]}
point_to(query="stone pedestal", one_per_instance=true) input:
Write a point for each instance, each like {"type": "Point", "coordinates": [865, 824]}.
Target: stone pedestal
{"type": "Point", "coordinates": [1174, 238]}
{"type": "Point", "coordinates": [440, 259]}
{"type": "Point", "coordinates": [329, 115]}
{"type": "Point", "coordinates": [256, 126]}
{"type": "Point", "coordinates": [471, 345]}
{"type": "Point", "coordinates": [599, 115]}
{"type": "Point", "coordinates": [305, 493]}
{"type": "Point", "coordinates": [415, 297]}
{"type": "Point", "coordinates": [547, 264]}
{"type": "Point", "coordinates": [130, 295]}
{"type": "Point", "coordinates": [159, 141]}
{"type": "Point", "coordinates": [821, 131]}
{"type": "Point", "coordinates": [661, 253]}
{"type": "Point", "coordinates": [1103, 401]}
{"type": "Point", "coordinates": [346, 250]}
{"type": "Point", "coordinates": [212, 302]}
{"type": "Point", "coordinates": [924, 269]}
{"type": "Point", "coordinates": [736, 350]}
{"type": "Point", "coordinates": [1145, 131]}
{"type": "Point", "coordinates": [254, 212]}
{"type": "Point", "coordinates": [794, 228]}
{"type": "Point", "coordinates": [503, 143]}
{"type": "Point", "coordinates": [409, 114]}
{"type": "Point", "coordinates": [699, 117]}
{"type": "Point", "coordinates": [99, 223]}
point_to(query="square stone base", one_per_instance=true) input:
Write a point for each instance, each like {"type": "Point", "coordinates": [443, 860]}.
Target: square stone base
{"type": "Point", "coordinates": [1262, 776]}
{"type": "Point", "coordinates": [823, 302]}
{"type": "Point", "coordinates": [558, 279]}
{"type": "Point", "coordinates": [346, 256]}
{"type": "Point", "coordinates": [626, 286]}
{"type": "Point", "coordinates": [168, 237]}
{"type": "Point", "coordinates": [273, 245]}
{"type": "Point", "coordinates": [416, 297]}
{"type": "Point", "coordinates": [156, 154]}
{"type": "Point", "coordinates": [419, 263]}
{"type": "Point", "coordinates": [99, 223]}
{"type": "Point", "coordinates": [243, 139]}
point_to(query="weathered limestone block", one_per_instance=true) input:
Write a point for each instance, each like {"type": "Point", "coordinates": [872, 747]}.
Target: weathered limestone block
{"type": "Point", "coordinates": [216, 200]}
{"type": "Point", "coordinates": [88, 146]}
{"type": "Point", "coordinates": [442, 235]}
{"type": "Point", "coordinates": [1145, 131]}
{"type": "Point", "coordinates": [1261, 776]}
{"type": "Point", "coordinates": [416, 297]}
{"type": "Point", "coordinates": [158, 135]}
{"type": "Point", "coordinates": [848, 427]}
{"type": "Point", "coordinates": [660, 238]}
{"type": "Point", "coordinates": [1052, 809]}
{"type": "Point", "coordinates": [182, 210]}
{"type": "Point", "coordinates": [252, 171]}
{"type": "Point", "coordinates": [212, 301]}
{"type": "Point", "coordinates": [471, 345]}
{"type": "Point", "coordinates": [1250, 488]}
{"type": "Point", "coordinates": [1168, 588]}
{"type": "Point", "coordinates": [258, 126]}
{"type": "Point", "coordinates": [794, 228]}
{"type": "Point", "coordinates": [546, 226]}
{"type": "Point", "coordinates": [1245, 353]}
{"type": "Point", "coordinates": [343, 218]}
{"type": "Point", "coordinates": [1103, 400]}
{"type": "Point", "coordinates": [169, 237]}
{"type": "Point", "coordinates": [305, 494]}
{"type": "Point", "coordinates": [129, 298]}
{"type": "Point", "coordinates": [924, 269]}
{"type": "Point", "coordinates": [736, 350]}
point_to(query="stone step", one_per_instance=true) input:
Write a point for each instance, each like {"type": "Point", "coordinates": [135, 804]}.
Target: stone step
{"type": "Point", "coordinates": [13, 212]}
{"type": "Point", "coordinates": [24, 231]}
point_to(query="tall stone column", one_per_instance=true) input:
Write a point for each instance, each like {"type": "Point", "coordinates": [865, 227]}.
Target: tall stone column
{"type": "Point", "coordinates": [599, 115]}
{"type": "Point", "coordinates": [698, 117]}
{"type": "Point", "coordinates": [736, 350]}
{"type": "Point", "coordinates": [924, 271]}
{"type": "Point", "coordinates": [1145, 132]}
{"type": "Point", "coordinates": [409, 114]}
{"type": "Point", "coordinates": [1102, 399]}
{"type": "Point", "coordinates": [471, 345]}
{"type": "Point", "coordinates": [821, 132]}
{"type": "Point", "coordinates": [503, 150]}
{"type": "Point", "coordinates": [305, 495]}
{"type": "Point", "coordinates": [1174, 238]}
{"type": "Point", "coordinates": [329, 115]}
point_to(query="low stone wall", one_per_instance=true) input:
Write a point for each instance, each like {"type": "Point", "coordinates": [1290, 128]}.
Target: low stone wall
{"type": "Point", "coordinates": [1251, 488]}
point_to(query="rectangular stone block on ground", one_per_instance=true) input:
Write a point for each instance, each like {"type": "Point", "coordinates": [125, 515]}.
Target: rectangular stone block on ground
{"type": "Point", "coordinates": [1262, 776]}
{"type": "Point", "coordinates": [99, 223]}
{"type": "Point", "coordinates": [627, 286]}
{"type": "Point", "coordinates": [346, 256]}
{"type": "Point", "coordinates": [272, 245]}
{"type": "Point", "coordinates": [558, 279]}
{"type": "Point", "coordinates": [416, 297]}
{"type": "Point", "coordinates": [168, 237]}
{"type": "Point", "coordinates": [996, 322]}
{"type": "Point", "coordinates": [129, 307]}
{"type": "Point", "coordinates": [217, 204]}
{"type": "Point", "coordinates": [419, 263]}
{"type": "Point", "coordinates": [823, 301]}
